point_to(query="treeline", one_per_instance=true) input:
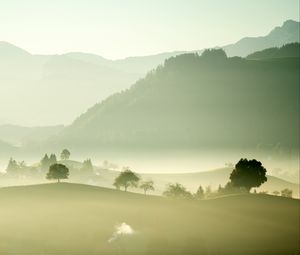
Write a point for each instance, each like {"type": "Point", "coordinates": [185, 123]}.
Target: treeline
{"type": "Point", "coordinates": [21, 170]}
{"type": "Point", "coordinates": [288, 50]}
{"type": "Point", "coordinates": [247, 174]}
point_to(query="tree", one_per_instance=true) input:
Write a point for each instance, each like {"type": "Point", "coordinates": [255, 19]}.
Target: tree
{"type": "Point", "coordinates": [248, 174]}
{"type": "Point", "coordinates": [287, 193]}
{"type": "Point", "coordinates": [214, 55]}
{"type": "Point", "coordinates": [126, 179]}
{"type": "Point", "coordinates": [45, 163]}
{"type": "Point", "coordinates": [276, 193]}
{"type": "Point", "coordinates": [12, 167]}
{"type": "Point", "coordinates": [147, 185]}
{"type": "Point", "coordinates": [87, 167]}
{"type": "Point", "coordinates": [52, 159]}
{"type": "Point", "coordinates": [200, 193]}
{"type": "Point", "coordinates": [208, 191]}
{"type": "Point", "coordinates": [65, 154]}
{"type": "Point", "coordinates": [176, 190]}
{"type": "Point", "coordinates": [58, 172]}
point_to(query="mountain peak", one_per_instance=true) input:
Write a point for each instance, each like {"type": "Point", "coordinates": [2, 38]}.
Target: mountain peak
{"type": "Point", "coordinates": [8, 49]}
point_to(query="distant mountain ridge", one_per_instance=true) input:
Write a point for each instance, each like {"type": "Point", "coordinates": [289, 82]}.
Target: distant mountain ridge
{"type": "Point", "coordinates": [20, 136]}
{"type": "Point", "coordinates": [291, 50]}
{"type": "Point", "coordinates": [195, 102]}
{"type": "Point", "coordinates": [287, 33]}
{"type": "Point", "coordinates": [31, 83]}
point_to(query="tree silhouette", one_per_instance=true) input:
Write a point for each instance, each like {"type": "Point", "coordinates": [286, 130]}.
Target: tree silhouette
{"type": "Point", "coordinates": [65, 154]}
{"type": "Point", "coordinates": [52, 159]}
{"type": "Point", "coordinates": [126, 179]}
{"type": "Point", "coordinates": [200, 193]}
{"type": "Point", "coordinates": [147, 185]}
{"type": "Point", "coordinates": [248, 174]}
{"type": "Point", "coordinates": [287, 193]}
{"type": "Point", "coordinates": [87, 167]}
{"type": "Point", "coordinates": [12, 167]}
{"type": "Point", "coordinates": [57, 172]}
{"type": "Point", "coordinates": [177, 191]}
{"type": "Point", "coordinates": [45, 163]}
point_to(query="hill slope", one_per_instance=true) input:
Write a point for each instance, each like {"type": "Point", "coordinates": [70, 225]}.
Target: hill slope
{"type": "Point", "coordinates": [19, 135]}
{"type": "Point", "coordinates": [31, 83]}
{"type": "Point", "coordinates": [289, 50]}
{"type": "Point", "coordinates": [197, 102]}
{"type": "Point", "coordinates": [83, 218]}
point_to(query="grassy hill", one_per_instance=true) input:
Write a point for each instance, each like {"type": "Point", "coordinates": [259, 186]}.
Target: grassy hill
{"type": "Point", "coordinates": [191, 181]}
{"type": "Point", "coordinates": [74, 219]}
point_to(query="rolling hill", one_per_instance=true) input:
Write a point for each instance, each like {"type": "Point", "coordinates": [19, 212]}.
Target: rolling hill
{"type": "Point", "coordinates": [191, 181]}
{"type": "Point", "coordinates": [76, 219]}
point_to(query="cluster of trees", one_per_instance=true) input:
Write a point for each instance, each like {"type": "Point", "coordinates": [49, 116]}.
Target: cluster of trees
{"type": "Point", "coordinates": [20, 169]}
{"type": "Point", "coordinates": [246, 174]}
{"type": "Point", "coordinates": [284, 193]}
{"type": "Point", "coordinates": [47, 161]}
{"type": "Point", "coordinates": [128, 178]}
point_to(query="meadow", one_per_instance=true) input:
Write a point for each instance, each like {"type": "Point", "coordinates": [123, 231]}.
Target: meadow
{"type": "Point", "coordinates": [67, 218]}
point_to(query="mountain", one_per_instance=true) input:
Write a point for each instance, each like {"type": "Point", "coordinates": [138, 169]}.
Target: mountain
{"type": "Point", "coordinates": [53, 89]}
{"type": "Point", "coordinates": [20, 136]}
{"type": "Point", "coordinates": [45, 90]}
{"type": "Point", "coordinates": [139, 65]}
{"type": "Point", "coordinates": [287, 33]}
{"type": "Point", "coordinates": [288, 50]}
{"type": "Point", "coordinates": [193, 102]}
{"type": "Point", "coordinates": [6, 148]}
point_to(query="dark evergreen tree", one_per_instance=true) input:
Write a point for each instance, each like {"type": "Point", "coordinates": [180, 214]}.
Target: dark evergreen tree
{"type": "Point", "coordinates": [12, 168]}
{"type": "Point", "coordinates": [45, 163]}
{"type": "Point", "coordinates": [52, 159]}
{"type": "Point", "coordinates": [87, 167]}
{"type": "Point", "coordinates": [200, 193]}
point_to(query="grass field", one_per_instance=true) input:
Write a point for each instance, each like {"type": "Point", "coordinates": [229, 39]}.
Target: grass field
{"type": "Point", "coordinates": [66, 219]}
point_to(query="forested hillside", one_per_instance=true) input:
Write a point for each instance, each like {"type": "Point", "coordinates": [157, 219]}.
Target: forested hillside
{"type": "Point", "coordinates": [193, 101]}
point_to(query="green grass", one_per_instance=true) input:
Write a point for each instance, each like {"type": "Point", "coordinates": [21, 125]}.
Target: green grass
{"type": "Point", "coordinates": [71, 219]}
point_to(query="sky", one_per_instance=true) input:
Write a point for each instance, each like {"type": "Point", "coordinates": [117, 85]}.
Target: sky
{"type": "Point", "coordinates": [121, 28]}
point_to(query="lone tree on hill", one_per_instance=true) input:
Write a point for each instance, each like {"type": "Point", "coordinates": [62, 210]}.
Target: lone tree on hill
{"type": "Point", "coordinates": [126, 179]}
{"type": "Point", "coordinates": [65, 154]}
{"type": "Point", "coordinates": [147, 185]}
{"type": "Point", "coordinates": [248, 174]}
{"type": "Point", "coordinates": [58, 172]}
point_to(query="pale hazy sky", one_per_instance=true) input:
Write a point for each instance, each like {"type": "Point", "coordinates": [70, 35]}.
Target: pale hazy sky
{"type": "Point", "coordinates": [121, 28]}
